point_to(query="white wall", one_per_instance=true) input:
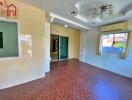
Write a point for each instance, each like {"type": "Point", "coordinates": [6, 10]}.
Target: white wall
{"type": "Point", "coordinates": [34, 61]}
{"type": "Point", "coordinates": [47, 47]}
{"type": "Point", "coordinates": [110, 62]}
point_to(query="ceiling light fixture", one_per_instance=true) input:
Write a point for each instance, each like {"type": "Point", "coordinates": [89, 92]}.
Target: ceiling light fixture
{"type": "Point", "coordinates": [102, 12]}
{"type": "Point", "coordinates": [65, 26]}
{"type": "Point", "coordinates": [73, 13]}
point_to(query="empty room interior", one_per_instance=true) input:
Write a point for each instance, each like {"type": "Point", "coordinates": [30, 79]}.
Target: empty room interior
{"type": "Point", "coordinates": [65, 49]}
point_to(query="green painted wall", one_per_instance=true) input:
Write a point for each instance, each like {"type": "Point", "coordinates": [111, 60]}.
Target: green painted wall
{"type": "Point", "coordinates": [10, 39]}
{"type": "Point", "coordinates": [63, 47]}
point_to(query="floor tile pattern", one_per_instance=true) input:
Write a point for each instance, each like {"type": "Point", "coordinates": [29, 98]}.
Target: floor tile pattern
{"type": "Point", "coordinates": [73, 80]}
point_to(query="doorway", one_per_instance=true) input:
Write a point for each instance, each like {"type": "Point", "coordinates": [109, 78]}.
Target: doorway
{"type": "Point", "coordinates": [54, 47]}
{"type": "Point", "coordinates": [58, 47]}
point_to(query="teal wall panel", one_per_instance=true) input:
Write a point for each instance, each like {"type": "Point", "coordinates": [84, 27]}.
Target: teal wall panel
{"type": "Point", "coordinates": [63, 47]}
{"type": "Point", "coordinates": [10, 39]}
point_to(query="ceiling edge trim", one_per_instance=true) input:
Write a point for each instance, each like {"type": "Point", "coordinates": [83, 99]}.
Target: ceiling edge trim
{"type": "Point", "coordinates": [69, 21]}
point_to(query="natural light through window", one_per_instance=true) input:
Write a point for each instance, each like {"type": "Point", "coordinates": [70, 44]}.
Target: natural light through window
{"type": "Point", "coordinates": [114, 43]}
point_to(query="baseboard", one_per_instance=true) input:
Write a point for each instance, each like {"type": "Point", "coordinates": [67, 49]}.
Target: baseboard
{"type": "Point", "coordinates": [64, 59]}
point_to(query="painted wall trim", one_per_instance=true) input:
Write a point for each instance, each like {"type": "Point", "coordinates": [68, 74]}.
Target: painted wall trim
{"type": "Point", "coordinates": [47, 47]}
{"type": "Point", "coordinates": [68, 21]}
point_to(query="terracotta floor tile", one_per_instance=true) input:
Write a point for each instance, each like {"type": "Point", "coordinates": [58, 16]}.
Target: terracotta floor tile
{"type": "Point", "coordinates": [73, 80]}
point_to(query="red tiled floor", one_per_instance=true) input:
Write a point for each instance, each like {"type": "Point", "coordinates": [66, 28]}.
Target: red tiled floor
{"type": "Point", "coordinates": [73, 80]}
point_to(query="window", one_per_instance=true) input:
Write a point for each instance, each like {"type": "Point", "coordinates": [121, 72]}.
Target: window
{"type": "Point", "coordinates": [116, 43]}
{"type": "Point", "coordinates": [9, 39]}
{"type": "Point", "coordinates": [1, 40]}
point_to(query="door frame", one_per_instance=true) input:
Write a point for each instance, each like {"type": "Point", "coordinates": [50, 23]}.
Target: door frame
{"type": "Point", "coordinates": [58, 47]}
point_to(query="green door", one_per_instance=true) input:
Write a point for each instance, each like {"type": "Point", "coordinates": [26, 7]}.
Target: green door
{"type": "Point", "coordinates": [63, 47]}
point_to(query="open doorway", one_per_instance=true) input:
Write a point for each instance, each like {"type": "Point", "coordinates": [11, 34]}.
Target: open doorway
{"type": "Point", "coordinates": [54, 47]}
{"type": "Point", "coordinates": [58, 47]}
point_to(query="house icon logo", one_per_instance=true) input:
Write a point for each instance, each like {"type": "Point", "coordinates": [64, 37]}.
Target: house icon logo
{"type": "Point", "coordinates": [9, 11]}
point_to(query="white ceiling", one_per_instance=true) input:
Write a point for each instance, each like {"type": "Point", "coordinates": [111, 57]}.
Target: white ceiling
{"type": "Point", "coordinates": [63, 8]}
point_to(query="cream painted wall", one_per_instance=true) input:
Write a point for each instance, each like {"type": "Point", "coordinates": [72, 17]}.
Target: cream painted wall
{"type": "Point", "coordinates": [110, 62]}
{"type": "Point", "coordinates": [32, 63]}
{"type": "Point", "coordinates": [130, 24]}
{"type": "Point", "coordinates": [74, 38]}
